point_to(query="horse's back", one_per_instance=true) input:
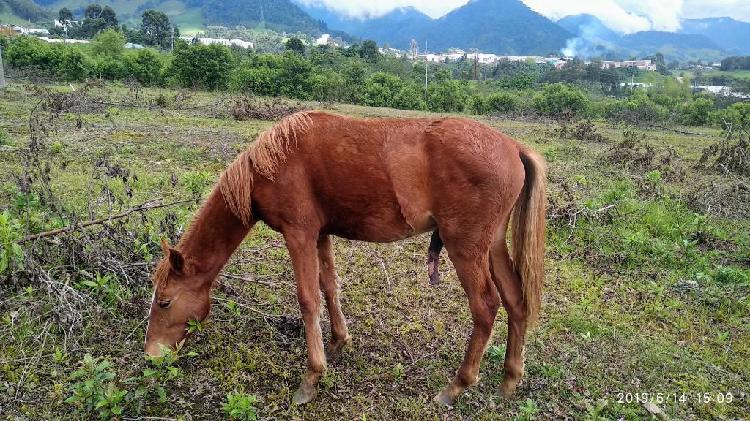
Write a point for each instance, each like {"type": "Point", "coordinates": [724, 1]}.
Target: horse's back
{"type": "Point", "coordinates": [387, 179]}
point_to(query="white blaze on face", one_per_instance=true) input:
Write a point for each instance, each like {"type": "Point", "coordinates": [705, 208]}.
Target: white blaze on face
{"type": "Point", "coordinates": [150, 309]}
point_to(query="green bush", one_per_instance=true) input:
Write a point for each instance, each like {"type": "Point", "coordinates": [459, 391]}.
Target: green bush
{"type": "Point", "coordinates": [326, 85]}
{"type": "Point", "coordinates": [476, 104]}
{"type": "Point", "coordinates": [146, 66]}
{"type": "Point", "coordinates": [381, 89]}
{"type": "Point", "coordinates": [502, 102]}
{"type": "Point", "coordinates": [94, 389]}
{"type": "Point", "coordinates": [696, 112]}
{"type": "Point", "coordinates": [202, 66]}
{"type": "Point", "coordinates": [446, 96]}
{"type": "Point", "coordinates": [410, 97]}
{"type": "Point", "coordinates": [558, 98]}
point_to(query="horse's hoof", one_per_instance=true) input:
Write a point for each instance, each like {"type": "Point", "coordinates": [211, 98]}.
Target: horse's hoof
{"type": "Point", "coordinates": [335, 348]}
{"type": "Point", "coordinates": [444, 399]}
{"type": "Point", "coordinates": [508, 389]}
{"type": "Point", "coordinates": [304, 394]}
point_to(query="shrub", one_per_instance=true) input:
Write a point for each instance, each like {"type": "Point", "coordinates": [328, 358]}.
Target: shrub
{"type": "Point", "coordinates": [410, 97]}
{"type": "Point", "coordinates": [697, 112]}
{"type": "Point", "coordinates": [446, 96]}
{"type": "Point", "coordinates": [326, 85]}
{"type": "Point", "coordinates": [476, 104]}
{"type": "Point", "coordinates": [502, 102]}
{"type": "Point", "coordinates": [381, 89]}
{"type": "Point", "coordinates": [146, 66]}
{"type": "Point", "coordinates": [94, 389]}
{"type": "Point", "coordinates": [202, 66]}
{"type": "Point", "coordinates": [108, 43]}
{"type": "Point", "coordinates": [558, 99]}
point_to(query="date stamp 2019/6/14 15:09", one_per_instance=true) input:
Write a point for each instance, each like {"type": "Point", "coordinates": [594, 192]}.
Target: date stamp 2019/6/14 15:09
{"type": "Point", "coordinates": [678, 397]}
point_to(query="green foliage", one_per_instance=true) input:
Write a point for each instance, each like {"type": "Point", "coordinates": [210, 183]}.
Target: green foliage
{"type": "Point", "coordinates": [4, 137]}
{"type": "Point", "coordinates": [94, 389]}
{"type": "Point", "coordinates": [381, 88]}
{"type": "Point", "coordinates": [109, 43]}
{"type": "Point", "coordinates": [202, 66]}
{"type": "Point", "coordinates": [447, 96]}
{"type": "Point", "coordinates": [696, 112]}
{"type": "Point", "coordinates": [502, 102]}
{"type": "Point", "coordinates": [156, 29]}
{"type": "Point", "coordinates": [196, 182]}
{"type": "Point", "coordinates": [241, 406]}
{"type": "Point", "coordinates": [295, 45]}
{"type": "Point", "coordinates": [105, 287]}
{"type": "Point", "coordinates": [11, 253]}
{"type": "Point", "coordinates": [736, 115]}
{"type": "Point", "coordinates": [527, 410]}
{"type": "Point", "coordinates": [476, 104]}
{"type": "Point", "coordinates": [557, 99]}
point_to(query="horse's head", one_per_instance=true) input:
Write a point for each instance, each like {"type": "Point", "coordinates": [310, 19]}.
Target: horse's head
{"type": "Point", "coordinates": [180, 295]}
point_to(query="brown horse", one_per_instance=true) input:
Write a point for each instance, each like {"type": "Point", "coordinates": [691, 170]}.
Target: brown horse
{"type": "Point", "coordinates": [316, 174]}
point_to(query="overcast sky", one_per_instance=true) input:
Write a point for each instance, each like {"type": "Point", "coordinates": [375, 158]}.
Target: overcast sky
{"type": "Point", "coordinates": [622, 15]}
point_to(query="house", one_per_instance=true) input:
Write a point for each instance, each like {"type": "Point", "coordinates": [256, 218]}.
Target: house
{"type": "Point", "coordinates": [647, 65]}
{"type": "Point", "coordinates": [220, 41]}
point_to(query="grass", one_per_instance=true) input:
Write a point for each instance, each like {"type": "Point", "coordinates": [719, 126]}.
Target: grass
{"type": "Point", "coordinates": [645, 292]}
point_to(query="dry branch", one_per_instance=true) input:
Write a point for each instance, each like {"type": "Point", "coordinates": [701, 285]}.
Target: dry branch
{"type": "Point", "coordinates": [146, 206]}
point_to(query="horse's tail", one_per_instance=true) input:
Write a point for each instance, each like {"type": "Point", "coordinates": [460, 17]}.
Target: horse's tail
{"type": "Point", "coordinates": [528, 232]}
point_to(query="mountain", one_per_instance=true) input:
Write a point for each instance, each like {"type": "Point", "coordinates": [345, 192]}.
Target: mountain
{"type": "Point", "coordinates": [588, 26]}
{"type": "Point", "coordinates": [595, 39]}
{"type": "Point", "coordinates": [279, 15]}
{"type": "Point", "coordinates": [495, 26]}
{"type": "Point", "coordinates": [402, 23]}
{"type": "Point", "coordinates": [732, 35]}
{"type": "Point", "coordinates": [21, 11]}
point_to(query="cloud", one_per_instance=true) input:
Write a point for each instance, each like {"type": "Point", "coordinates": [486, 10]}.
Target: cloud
{"type": "Point", "coordinates": [361, 9]}
{"type": "Point", "coordinates": [625, 16]}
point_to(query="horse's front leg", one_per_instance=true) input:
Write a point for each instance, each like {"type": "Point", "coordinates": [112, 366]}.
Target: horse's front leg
{"type": "Point", "coordinates": [329, 283]}
{"type": "Point", "coordinates": [304, 253]}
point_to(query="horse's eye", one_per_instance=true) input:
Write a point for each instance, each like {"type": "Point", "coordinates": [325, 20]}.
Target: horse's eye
{"type": "Point", "coordinates": [164, 303]}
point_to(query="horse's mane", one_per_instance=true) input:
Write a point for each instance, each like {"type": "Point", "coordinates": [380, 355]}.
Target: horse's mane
{"type": "Point", "coordinates": [269, 151]}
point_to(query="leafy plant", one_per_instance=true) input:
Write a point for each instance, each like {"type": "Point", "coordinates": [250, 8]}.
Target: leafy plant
{"type": "Point", "coordinates": [527, 411]}
{"type": "Point", "coordinates": [11, 252]}
{"type": "Point", "coordinates": [94, 388]}
{"type": "Point", "coordinates": [241, 406]}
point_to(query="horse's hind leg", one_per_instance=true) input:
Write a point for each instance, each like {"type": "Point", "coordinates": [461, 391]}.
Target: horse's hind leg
{"type": "Point", "coordinates": [303, 251]}
{"type": "Point", "coordinates": [472, 266]}
{"type": "Point", "coordinates": [511, 291]}
{"type": "Point", "coordinates": [329, 283]}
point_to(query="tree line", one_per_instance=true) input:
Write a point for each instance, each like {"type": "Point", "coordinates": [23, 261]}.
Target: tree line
{"type": "Point", "coordinates": [360, 74]}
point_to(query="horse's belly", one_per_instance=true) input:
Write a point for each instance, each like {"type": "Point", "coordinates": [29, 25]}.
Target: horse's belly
{"type": "Point", "coordinates": [379, 226]}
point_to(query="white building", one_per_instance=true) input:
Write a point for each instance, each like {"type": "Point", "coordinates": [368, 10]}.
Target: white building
{"type": "Point", "coordinates": [220, 41]}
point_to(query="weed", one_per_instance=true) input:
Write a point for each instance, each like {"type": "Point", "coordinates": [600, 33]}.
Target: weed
{"type": "Point", "coordinates": [94, 388]}
{"type": "Point", "coordinates": [527, 410]}
{"type": "Point", "coordinates": [11, 253]}
{"type": "Point", "coordinates": [241, 406]}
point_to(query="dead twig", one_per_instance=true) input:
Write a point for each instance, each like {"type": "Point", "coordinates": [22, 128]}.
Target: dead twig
{"type": "Point", "coordinates": [146, 206]}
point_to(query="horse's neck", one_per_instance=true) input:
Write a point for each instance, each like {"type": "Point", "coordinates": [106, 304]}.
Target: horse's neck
{"type": "Point", "coordinates": [214, 235]}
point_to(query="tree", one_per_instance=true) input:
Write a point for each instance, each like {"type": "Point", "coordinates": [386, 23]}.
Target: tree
{"type": "Point", "coordinates": [202, 66]}
{"type": "Point", "coordinates": [559, 98]}
{"type": "Point", "coordinates": [65, 16]}
{"type": "Point", "coordinates": [381, 89]}
{"type": "Point", "coordinates": [93, 11]}
{"type": "Point", "coordinates": [156, 28]}
{"type": "Point", "coordinates": [295, 45]}
{"type": "Point", "coordinates": [109, 43]}
{"type": "Point", "coordinates": [369, 51]}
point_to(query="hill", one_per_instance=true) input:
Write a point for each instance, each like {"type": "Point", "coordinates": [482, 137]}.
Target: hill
{"type": "Point", "coordinates": [498, 26]}
{"type": "Point", "coordinates": [732, 35]}
{"type": "Point", "coordinates": [20, 11]}
{"type": "Point", "coordinates": [595, 39]}
{"type": "Point", "coordinates": [279, 15]}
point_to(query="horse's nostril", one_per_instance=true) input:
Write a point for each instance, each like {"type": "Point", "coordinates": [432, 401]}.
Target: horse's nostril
{"type": "Point", "coordinates": [164, 303]}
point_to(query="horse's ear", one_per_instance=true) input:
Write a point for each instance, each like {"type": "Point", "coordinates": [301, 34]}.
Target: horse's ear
{"type": "Point", "coordinates": [164, 246]}
{"type": "Point", "coordinates": [176, 260]}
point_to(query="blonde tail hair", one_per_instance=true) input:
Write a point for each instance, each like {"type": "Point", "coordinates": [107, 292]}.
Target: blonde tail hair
{"type": "Point", "coordinates": [528, 232]}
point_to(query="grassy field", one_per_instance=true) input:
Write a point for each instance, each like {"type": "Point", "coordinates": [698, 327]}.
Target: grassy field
{"type": "Point", "coordinates": [648, 274]}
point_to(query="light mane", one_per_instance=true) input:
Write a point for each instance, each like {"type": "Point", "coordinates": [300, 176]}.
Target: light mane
{"type": "Point", "coordinates": [269, 151]}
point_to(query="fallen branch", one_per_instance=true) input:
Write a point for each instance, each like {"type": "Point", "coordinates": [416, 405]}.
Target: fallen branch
{"type": "Point", "coordinates": [101, 221]}
{"type": "Point", "coordinates": [679, 131]}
